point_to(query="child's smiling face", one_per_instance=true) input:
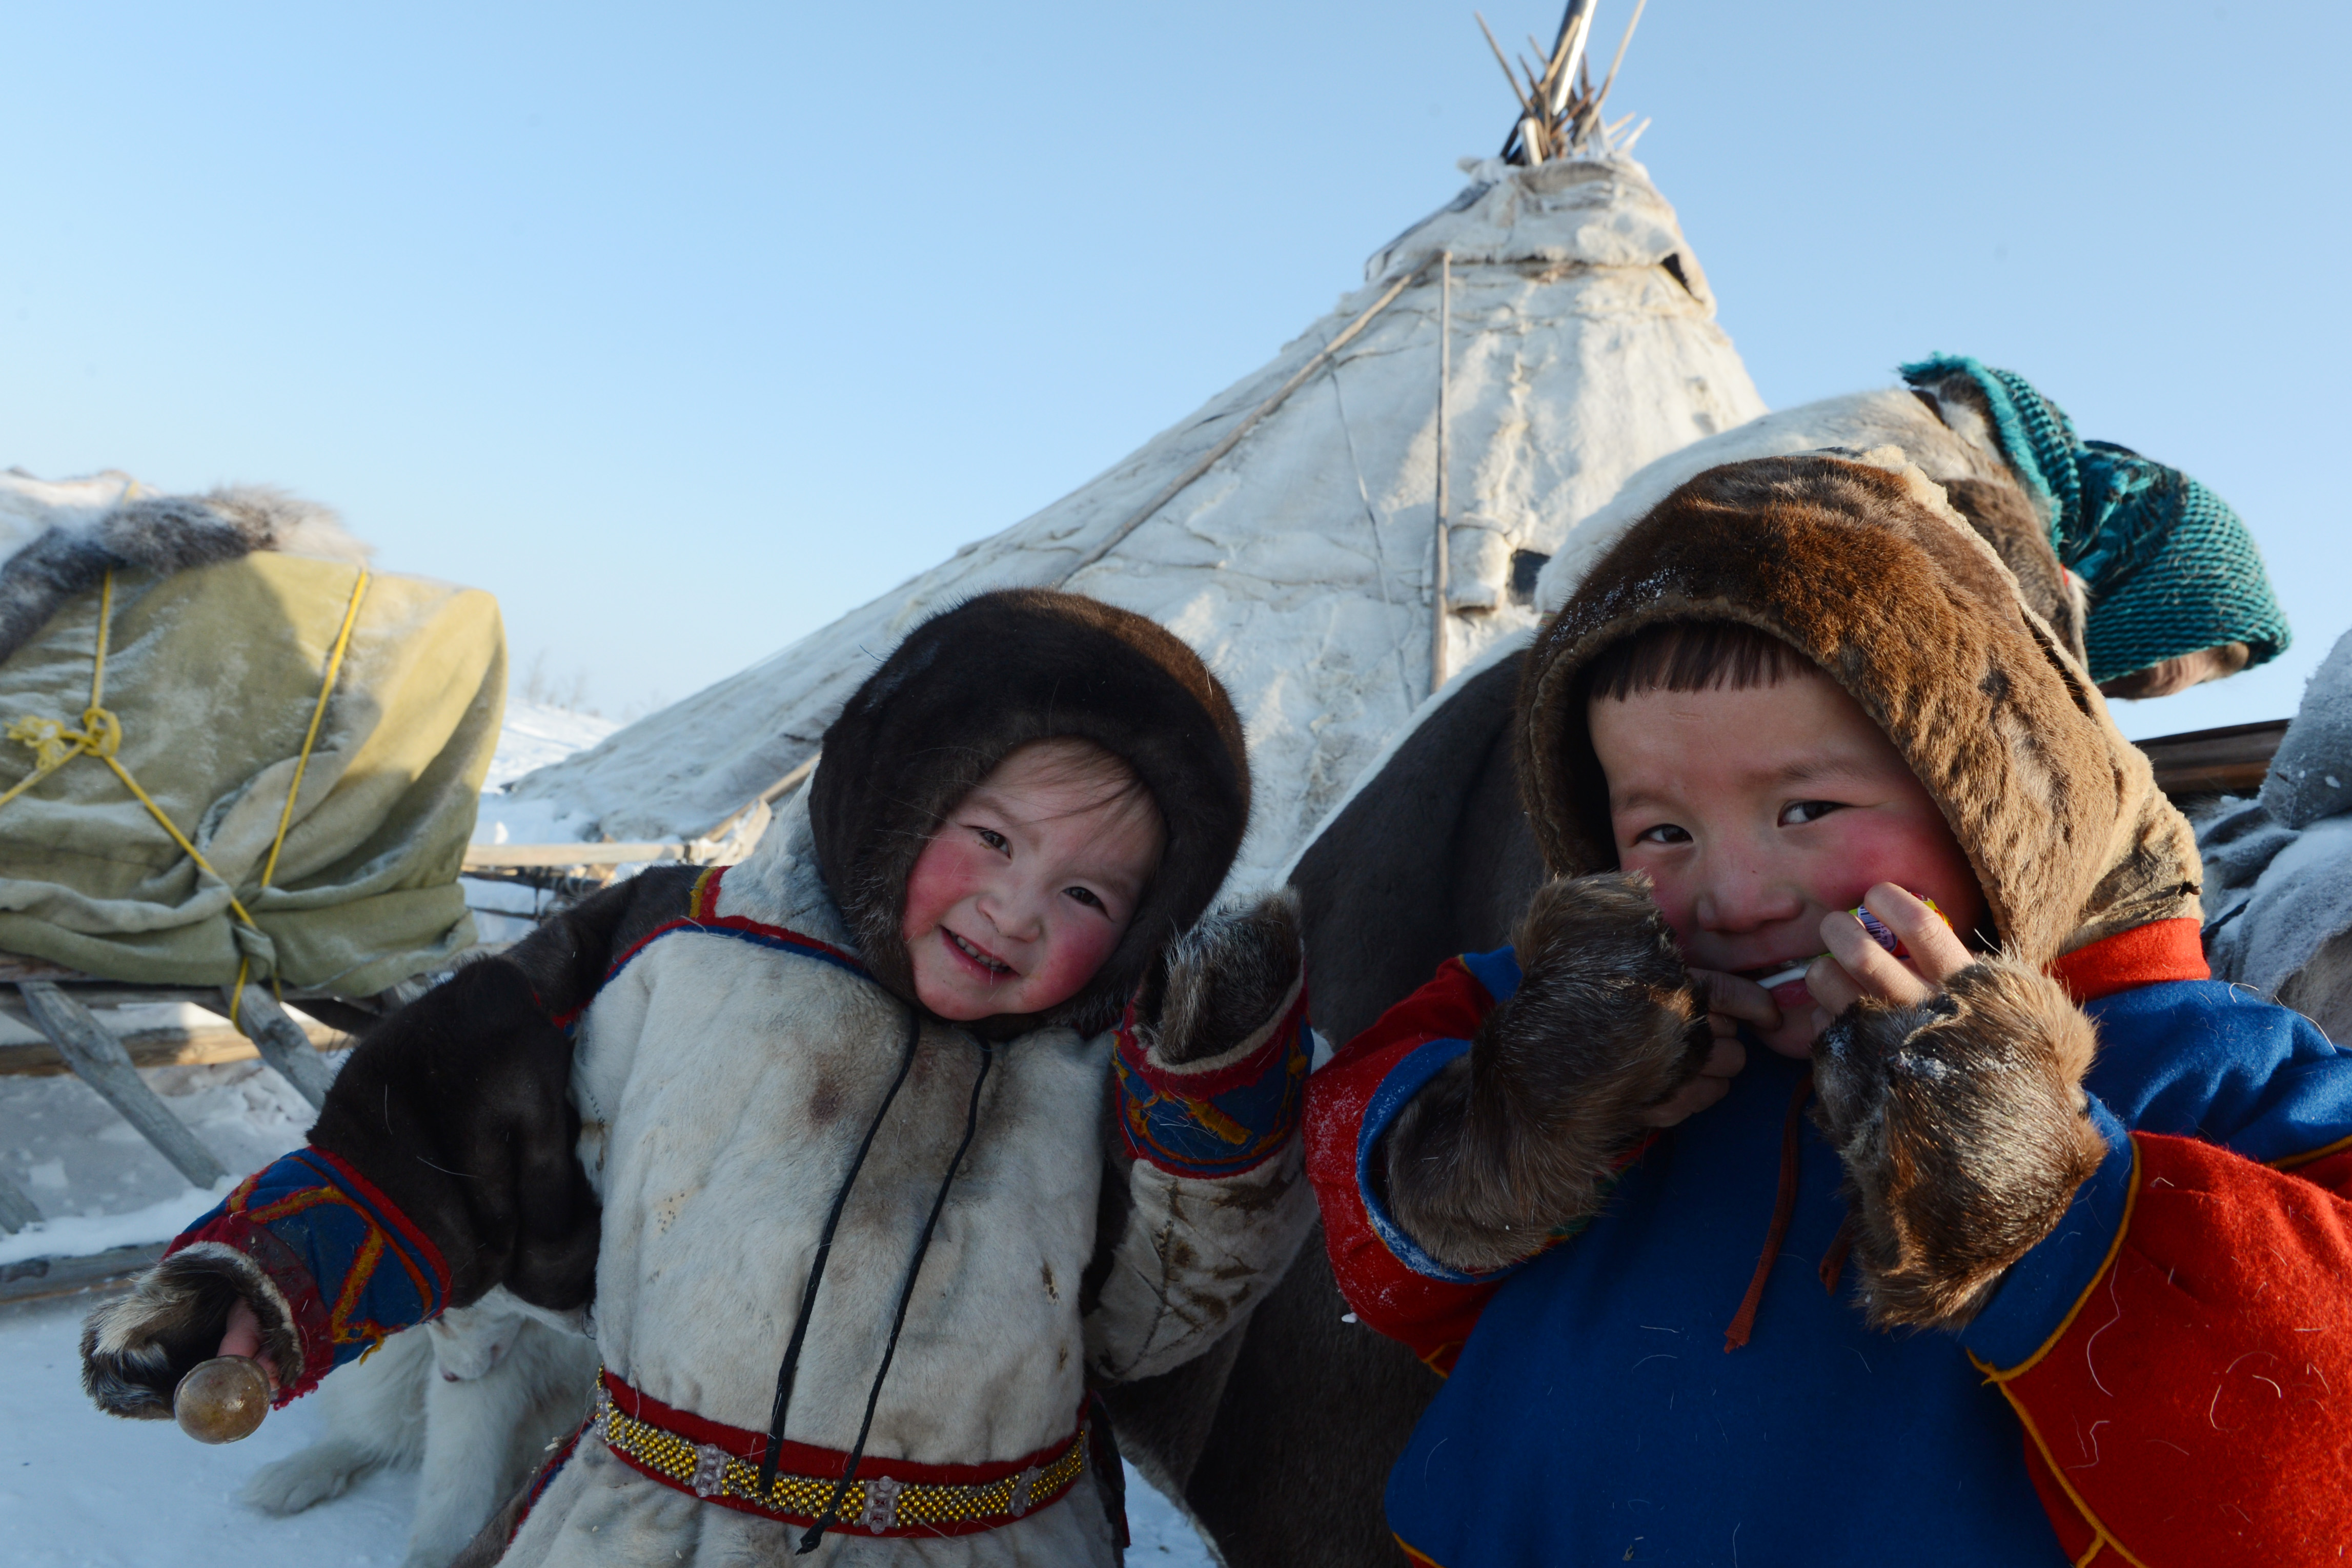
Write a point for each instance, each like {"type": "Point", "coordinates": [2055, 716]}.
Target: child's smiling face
{"type": "Point", "coordinates": [1029, 882]}
{"type": "Point", "coordinates": [1758, 812]}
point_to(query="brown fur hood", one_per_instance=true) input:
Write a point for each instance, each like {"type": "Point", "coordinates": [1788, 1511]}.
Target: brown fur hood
{"type": "Point", "coordinates": [973, 684]}
{"type": "Point", "coordinates": [1870, 573]}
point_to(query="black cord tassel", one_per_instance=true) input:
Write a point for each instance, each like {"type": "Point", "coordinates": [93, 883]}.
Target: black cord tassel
{"type": "Point", "coordinates": [906, 1295]}
{"type": "Point", "coordinates": [790, 1367]}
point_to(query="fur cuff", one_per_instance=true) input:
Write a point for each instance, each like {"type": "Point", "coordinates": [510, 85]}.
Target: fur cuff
{"type": "Point", "coordinates": [1964, 1132]}
{"type": "Point", "coordinates": [1521, 1140]}
{"type": "Point", "coordinates": [134, 1351]}
{"type": "Point", "coordinates": [1226, 985]}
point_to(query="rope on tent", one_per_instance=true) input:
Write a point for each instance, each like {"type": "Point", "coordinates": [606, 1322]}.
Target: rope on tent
{"type": "Point", "coordinates": [100, 736]}
{"type": "Point", "coordinates": [1233, 437]}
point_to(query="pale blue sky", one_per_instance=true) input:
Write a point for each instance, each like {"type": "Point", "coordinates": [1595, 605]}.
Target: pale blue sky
{"type": "Point", "coordinates": [684, 330]}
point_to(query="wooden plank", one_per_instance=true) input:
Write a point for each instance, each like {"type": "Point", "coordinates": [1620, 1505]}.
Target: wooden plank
{"type": "Point", "coordinates": [99, 1061]}
{"type": "Point", "coordinates": [282, 1043]}
{"type": "Point", "coordinates": [14, 966]}
{"type": "Point", "coordinates": [2234, 760]}
{"type": "Point", "coordinates": [37, 1277]}
{"type": "Point", "coordinates": [494, 857]}
{"type": "Point", "coordinates": [162, 1047]}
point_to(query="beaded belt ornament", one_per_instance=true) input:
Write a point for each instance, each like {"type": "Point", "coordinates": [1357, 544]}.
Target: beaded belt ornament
{"type": "Point", "coordinates": [890, 1497]}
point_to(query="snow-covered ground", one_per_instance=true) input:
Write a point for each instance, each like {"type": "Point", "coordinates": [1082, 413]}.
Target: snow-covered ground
{"type": "Point", "coordinates": [78, 1487]}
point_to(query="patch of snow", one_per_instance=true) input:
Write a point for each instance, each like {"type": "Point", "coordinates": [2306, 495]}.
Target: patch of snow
{"type": "Point", "coordinates": [78, 1236]}
{"type": "Point", "coordinates": [534, 735]}
{"type": "Point", "coordinates": [92, 1491]}
{"type": "Point", "coordinates": [98, 1183]}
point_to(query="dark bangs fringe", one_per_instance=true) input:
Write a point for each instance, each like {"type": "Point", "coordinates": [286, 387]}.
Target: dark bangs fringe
{"type": "Point", "coordinates": [1691, 656]}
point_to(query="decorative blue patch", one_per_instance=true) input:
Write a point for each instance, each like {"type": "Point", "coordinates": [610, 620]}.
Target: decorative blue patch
{"type": "Point", "coordinates": [354, 1269]}
{"type": "Point", "coordinates": [1498, 971]}
{"type": "Point", "coordinates": [1216, 1123]}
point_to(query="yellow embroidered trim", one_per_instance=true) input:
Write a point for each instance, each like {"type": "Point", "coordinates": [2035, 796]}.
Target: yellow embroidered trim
{"type": "Point", "coordinates": [2131, 1202]}
{"type": "Point", "coordinates": [1420, 1559]}
{"type": "Point", "coordinates": [878, 1503]}
{"type": "Point", "coordinates": [2098, 1526]}
{"type": "Point", "coordinates": [2290, 1162]}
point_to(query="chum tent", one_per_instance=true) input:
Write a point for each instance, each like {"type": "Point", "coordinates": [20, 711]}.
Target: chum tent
{"type": "Point", "coordinates": [1549, 328]}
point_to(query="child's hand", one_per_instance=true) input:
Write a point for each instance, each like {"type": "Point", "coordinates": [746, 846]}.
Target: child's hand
{"type": "Point", "coordinates": [243, 1337]}
{"type": "Point", "coordinates": [1855, 966]}
{"type": "Point", "coordinates": [200, 1302]}
{"type": "Point", "coordinates": [1223, 981]}
{"type": "Point", "coordinates": [1529, 1132]}
{"type": "Point", "coordinates": [1951, 1087]}
{"type": "Point", "coordinates": [1730, 1002]}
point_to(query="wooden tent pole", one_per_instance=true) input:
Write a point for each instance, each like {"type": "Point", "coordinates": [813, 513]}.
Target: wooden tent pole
{"type": "Point", "coordinates": [1444, 374]}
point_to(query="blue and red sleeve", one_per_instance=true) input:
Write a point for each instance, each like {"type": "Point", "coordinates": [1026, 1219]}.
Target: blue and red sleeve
{"type": "Point", "coordinates": [1391, 1282]}
{"type": "Point", "coordinates": [2178, 1351]}
{"type": "Point", "coordinates": [1219, 1118]}
{"type": "Point", "coordinates": [354, 1269]}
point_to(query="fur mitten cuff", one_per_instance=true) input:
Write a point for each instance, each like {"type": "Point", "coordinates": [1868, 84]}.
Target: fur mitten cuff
{"type": "Point", "coordinates": [1222, 984]}
{"type": "Point", "coordinates": [1964, 1130]}
{"type": "Point", "coordinates": [1525, 1134]}
{"type": "Point", "coordinates": [134, 1351]}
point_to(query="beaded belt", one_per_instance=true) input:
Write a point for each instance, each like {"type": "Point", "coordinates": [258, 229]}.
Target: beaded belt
{"type": "Point", "coordinates": [890, 1497]}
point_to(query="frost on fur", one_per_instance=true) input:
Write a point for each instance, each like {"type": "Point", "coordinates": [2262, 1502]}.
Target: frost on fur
{"type": "Point", "coordinates": [134, 1351]}
{"type": "Point", "coordinates": [163, 534]}
{"type": "Point", "coordinates": [1525, 1134]}
{"type": "Point", "coordinates": [1223, 981]}
{"type": "Point", "coordinates": [1964, 1132]}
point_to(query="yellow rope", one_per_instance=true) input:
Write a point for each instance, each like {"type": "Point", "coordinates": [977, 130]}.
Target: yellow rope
{"type": "Point", "coordinates": [100, 736]}
{"type": "Point", "coordinates": [318, 717]}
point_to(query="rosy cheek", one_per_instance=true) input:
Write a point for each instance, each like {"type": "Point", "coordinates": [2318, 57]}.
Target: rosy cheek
{"type": "Point", "coordinates": [1079, 948]}
{"type": "Point", "coordinates": [1674, 895]}
{"type": "Point", "coordinates": [944, 875]}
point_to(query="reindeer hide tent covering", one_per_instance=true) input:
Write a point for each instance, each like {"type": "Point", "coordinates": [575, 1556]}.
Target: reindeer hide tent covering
{"type": "Point", "coordinates": [1298, 564]}
{"type": "Point", "coordinates": [214, 673]}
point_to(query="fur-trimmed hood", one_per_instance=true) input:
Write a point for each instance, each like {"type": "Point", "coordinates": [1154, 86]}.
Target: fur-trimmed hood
{"type": "Point", "coordinates": [1867, 571]}
{"type": "Point", "coordinates": [975, 684]}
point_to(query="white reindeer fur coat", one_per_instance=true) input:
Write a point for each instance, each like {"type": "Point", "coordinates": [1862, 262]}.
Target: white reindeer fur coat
{"type": "Point", "coordinates": [723, 1087]}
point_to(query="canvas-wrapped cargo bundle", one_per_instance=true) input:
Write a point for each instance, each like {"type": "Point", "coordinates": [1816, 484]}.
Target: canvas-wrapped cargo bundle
{"type": "Point", "coordinates": [212, 678]}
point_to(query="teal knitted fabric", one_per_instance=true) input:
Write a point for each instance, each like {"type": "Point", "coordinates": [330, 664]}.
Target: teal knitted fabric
{"type": "Point", "coordinates": [2168, 566]}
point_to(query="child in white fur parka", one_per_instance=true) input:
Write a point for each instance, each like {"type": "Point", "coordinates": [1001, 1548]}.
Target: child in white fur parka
{"type": "Point", "coordinates": [835, 1151]}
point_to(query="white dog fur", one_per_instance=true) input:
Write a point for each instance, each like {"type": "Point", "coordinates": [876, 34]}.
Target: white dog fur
{"type": "Point", "coordinates": [474, 1399]}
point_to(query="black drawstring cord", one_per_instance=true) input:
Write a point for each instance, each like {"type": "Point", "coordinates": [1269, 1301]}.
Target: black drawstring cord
{"type": "Point", "coordinates": [906, 1295]}
{"type": "Point", "coordinates": [785, 1373]}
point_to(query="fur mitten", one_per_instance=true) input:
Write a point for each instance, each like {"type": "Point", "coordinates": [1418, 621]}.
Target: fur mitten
{"type": "Point", "coordinates": [134, 1351]}
{"type": "Point", "coordinates": [1964, 1130]}
{"type": "Point", "coordinates": [1525, 1134]}
{"type": "Point", "coordinates": [1221, 984]}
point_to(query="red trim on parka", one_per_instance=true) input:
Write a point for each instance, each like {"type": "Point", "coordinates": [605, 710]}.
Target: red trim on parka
{"type": "Point", "coordinates": [2146, 954]}
{"type": "Point", "coordinates": [1434, 1317]}
{"type": "Point", "coordinates": [2177, 1415]}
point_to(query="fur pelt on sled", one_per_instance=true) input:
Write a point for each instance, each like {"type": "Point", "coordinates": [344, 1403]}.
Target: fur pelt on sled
{"type": "Point", "coordinates": [72, 546]}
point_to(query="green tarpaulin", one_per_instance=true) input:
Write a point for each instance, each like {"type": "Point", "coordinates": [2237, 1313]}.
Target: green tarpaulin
{"type": "Point", "coordinates": [214, 675]}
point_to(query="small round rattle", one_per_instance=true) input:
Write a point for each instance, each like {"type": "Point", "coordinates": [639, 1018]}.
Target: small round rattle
{"type": "Point", "coordinates": [222, 1400]}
